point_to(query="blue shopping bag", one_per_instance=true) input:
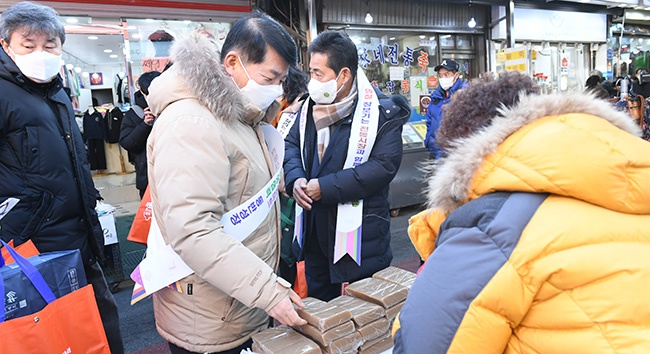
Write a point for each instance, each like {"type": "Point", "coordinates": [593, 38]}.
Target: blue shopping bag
{"type": "Point", "coordinates": [28, 285]}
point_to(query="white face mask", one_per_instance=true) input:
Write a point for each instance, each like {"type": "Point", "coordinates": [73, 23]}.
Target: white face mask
{"type": "Point", "coordinates": [447, 82]}
{"type": "Point", "coordinates": [261, 96]}
{"type": "Point", "coordinates": [323, 92]}
{"type": "Point", "coordinates": [38, 66]}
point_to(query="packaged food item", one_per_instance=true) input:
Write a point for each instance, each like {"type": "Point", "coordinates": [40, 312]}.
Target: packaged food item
{"type": "Point", "coordinates": [323, 315]}
{"type": "Point", "coordinates": [392, 312]}
{"type": "Point", "coordinates": [380, 347]}
{"type": "Point", "coordinates": [374, 329]}
{"type": "Point", "coordinates": [346, 344]}
{"type": "Point", "coordinates": [284, 340]}
{"type": "Point", "coordinates": [396, 275]}
{"type": "Point", "coordinates": [367, 345]}
{"type": "Point", "coordinates": [326, 338]}
{"type": "Point", "coordinates": [256, 348]}
{"type": "Point", "coordinates": [378, 291]}
{"type": "Point", "coordinates": [363, 312]}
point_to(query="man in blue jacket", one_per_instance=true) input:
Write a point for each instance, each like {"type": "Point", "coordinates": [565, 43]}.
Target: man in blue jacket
{"type": "Point", "coordinates": [448, 82]}
{"type": "Point", "coordinates": [343, 150]}
{"type": "Point", "coordinates": [42, 156]}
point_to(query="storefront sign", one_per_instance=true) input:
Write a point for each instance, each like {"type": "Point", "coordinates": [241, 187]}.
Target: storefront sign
{"type": "Point", "coordinates": [425, 101]}
{"type": "Point", "coordinates": [516, 59]}
{"type": "Point", "coordinates": [418, 88]}
{"type": "Point", "coordinates": [154, 64]}
{"type": "Point", "coordinates": [559, 26]}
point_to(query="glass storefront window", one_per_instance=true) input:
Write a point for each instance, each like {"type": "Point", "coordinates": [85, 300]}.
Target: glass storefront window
{"type": "Point", "coordinates": [447, 41]}
{"type": "Point", "coordinates": [403, 63]}
{"type": "Point", "coordinates": [148, 41]}
{"type": "Point", "coordinates": [634, 52]}
{"type": "Point", "coordinates": [398, 63]}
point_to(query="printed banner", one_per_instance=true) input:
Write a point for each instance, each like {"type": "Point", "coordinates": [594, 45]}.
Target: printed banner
{"type": "Point", "coordinates": [7, 205]}
{"type": "Point", "coordinates": [244, 219]}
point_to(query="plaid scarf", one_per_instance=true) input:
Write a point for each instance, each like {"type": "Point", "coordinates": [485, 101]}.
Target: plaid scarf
{"type": "Point", "coordinates": [325, 115]}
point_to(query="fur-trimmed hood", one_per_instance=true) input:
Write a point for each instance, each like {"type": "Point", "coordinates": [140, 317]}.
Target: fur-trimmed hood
{"type": "Point", "coordinates": [570, 144]}
{"type": "Point", "coordinates": [197, 73]}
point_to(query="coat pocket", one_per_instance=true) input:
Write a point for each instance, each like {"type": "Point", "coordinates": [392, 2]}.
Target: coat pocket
{"type": "Point", "coordinates": [31, 150]}
{"type": "Point", "coordinates": [39, 211]}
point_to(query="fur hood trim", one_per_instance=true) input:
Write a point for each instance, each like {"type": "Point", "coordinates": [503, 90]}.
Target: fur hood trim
{"type": "Point", "coordinates": [197, 61]}
{"type": "Point", "coordinates": [450, 185]}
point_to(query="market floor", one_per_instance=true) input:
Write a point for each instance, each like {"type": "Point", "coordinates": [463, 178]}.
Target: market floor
{"type": "Point", "coordinates": [137, 322]}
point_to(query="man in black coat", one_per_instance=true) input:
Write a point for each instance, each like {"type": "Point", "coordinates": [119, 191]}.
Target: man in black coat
{"type": "Point", "coordinates": [136, 127]}
{"type": "Point", "coordinates": [334, 171]}
{"type": "Point", "coordinates": [42, 156]}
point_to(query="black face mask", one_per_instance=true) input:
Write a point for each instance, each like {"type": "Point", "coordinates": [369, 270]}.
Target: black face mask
{"type": "Point", "coordinates": [140, 100]}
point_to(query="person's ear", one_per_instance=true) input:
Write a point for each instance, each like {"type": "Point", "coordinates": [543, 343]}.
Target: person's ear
{"type": "Point", "coordinates": [230, 62]}
{"type": "Point", "coordinates": [346, 75]}
{"type": "Point", "coordinates": [5, 45]}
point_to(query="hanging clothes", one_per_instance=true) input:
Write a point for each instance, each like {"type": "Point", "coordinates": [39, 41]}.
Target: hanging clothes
{"type": "Point", "coordinates": [118, 88]}
{"type": "Point", "coordinates": [94, 136]}
{"type": "Point", "coordinates": [112, 123]}
{"type": "Point", "coordinates": [93, 125]}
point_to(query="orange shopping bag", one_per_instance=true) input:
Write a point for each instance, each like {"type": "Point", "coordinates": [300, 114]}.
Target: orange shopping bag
{"type": "Point", "coordinates": [142, 220]}
{"type": "Point", "coordinates": [26, 250]}
{"type": "Point", "coordinates": [300, 285]}
{"type": "Point", "coordinates": [69, 324]}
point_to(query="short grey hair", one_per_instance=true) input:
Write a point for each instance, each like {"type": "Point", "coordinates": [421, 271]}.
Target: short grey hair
{"type": "Point", "coordinates": [32, 17]}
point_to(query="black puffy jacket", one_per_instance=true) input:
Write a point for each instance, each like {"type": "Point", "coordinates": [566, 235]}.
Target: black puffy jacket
{"type": "Point", "coordinates": [368, 181]}
{"type": "Point", "coordinates": [133, 137]}
{"type": "Point", "coordinates": [43, 163]}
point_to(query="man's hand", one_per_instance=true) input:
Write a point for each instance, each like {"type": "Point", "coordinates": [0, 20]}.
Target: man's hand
{"type": "Point", "coordinates": [285, 313]}
{"type": "Point", "coordinates": [313, 189]}
{"type": "Point", "coordinates": [299, 194]}
{"type": "Point", "coordinates": [148, 116]}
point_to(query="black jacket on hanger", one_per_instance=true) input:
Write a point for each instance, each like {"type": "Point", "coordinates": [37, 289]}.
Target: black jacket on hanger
{"type": "Point", "coordinates": [112, 123]}
{"type": "Point", "coordinates": [93, 125]}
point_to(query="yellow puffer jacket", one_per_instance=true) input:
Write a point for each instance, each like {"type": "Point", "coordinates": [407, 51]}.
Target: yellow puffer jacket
{"type": "Point", "coordinates": [572, 275]}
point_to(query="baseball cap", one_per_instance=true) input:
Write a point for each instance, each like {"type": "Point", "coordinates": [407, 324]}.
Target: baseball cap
{"type": "Point", "coordinates": [449, 65]}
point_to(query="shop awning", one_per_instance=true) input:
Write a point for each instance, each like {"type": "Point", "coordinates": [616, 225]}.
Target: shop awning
{"type": "Point", "coordinates": [196, 10]}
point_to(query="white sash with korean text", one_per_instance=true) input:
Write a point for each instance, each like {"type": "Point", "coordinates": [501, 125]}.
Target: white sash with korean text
{"type": "Point", "coordinates": [162, 266]}
{"type": "Point", "coordinates": [362, 138]}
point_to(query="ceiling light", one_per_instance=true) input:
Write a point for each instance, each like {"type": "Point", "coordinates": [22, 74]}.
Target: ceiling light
{"type": "Point", "coordinates": [391, 38]}
{"type": "Point", "coordinates": [93, 38]}
{"type": "Point", "coordinates": [114, 56]}
{"type": "Point", "coordinates": [187, 22]}
{"type": "Point", "coordinates": [149, 20]}
{"type": "Point", "coordinates": [85, 74]}
{"type": "Point", "coordinates": [71, 20]}
{"type": "Point", "coordinates": [69, 66]}
{"type": "Point", "coordinates": [77, 70]}
{"type": "Point", "coordinates": [368, 17]}
{"type": "Point", "coordinates": [422, 36]}
{"type": "Point", "coordinates": [108, 51]}
{"type": "Point", "coordinates": [471, 23]}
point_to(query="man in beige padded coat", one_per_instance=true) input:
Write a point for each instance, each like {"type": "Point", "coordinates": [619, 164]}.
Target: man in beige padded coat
{"type": "Point", "coordinates": [207, 157]}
